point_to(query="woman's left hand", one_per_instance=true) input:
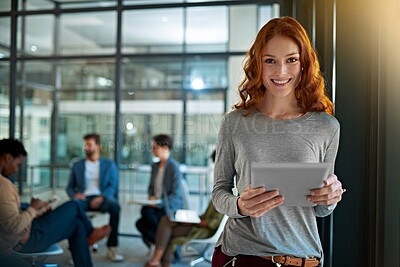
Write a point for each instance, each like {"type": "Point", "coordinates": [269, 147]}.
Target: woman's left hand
{"type": "Point", "coordinates": [330, 194]}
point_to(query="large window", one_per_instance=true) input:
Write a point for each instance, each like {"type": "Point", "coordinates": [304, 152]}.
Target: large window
{"type": "Point", "coordinates": [176, 72]}
{"type": "Point", "coordinates": [179, 68]}
{"type": "Point", "coordinates": [88, 33]}
{"type": "Point", "coordinates": [35, 35]}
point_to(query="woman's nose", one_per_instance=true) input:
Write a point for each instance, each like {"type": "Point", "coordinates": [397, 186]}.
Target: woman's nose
{"type": "Point", "coordinates": [281, 68]}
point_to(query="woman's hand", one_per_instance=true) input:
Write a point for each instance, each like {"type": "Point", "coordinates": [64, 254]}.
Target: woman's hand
{"type": "Point", "coordinates": [255, 202]}
{"type": "Point", "coordinates": [330, 194]}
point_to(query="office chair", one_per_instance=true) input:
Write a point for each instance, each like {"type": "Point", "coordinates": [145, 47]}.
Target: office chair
{"type": "Point", "coordinates": [37, 258]}
{"type": "Point", "coordinates": [207, 242]}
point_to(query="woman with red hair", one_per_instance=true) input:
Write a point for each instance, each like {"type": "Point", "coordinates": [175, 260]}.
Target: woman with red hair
{"type": "Point", "coordinates": [283, 116]}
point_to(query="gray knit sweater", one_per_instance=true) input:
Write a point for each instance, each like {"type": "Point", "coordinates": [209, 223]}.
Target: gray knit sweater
{"type": "Point", "coordinates": [313, 137]}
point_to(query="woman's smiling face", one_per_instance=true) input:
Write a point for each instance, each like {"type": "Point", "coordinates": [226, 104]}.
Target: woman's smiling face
{"type": "Point", "coordinates": [281, 67]}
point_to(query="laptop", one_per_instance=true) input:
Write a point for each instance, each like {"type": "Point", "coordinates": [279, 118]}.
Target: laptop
{"type": "Point", "coordinates": [180, 215]}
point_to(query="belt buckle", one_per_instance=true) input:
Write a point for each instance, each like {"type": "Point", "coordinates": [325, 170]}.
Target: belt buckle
{"type": "Point", "coordinates": [276, 263]}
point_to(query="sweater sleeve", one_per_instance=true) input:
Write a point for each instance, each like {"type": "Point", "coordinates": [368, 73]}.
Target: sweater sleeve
{"type": "Point", "coordinates": [224, 172]}
{"type": "Point", "coordinates": [330, 156]}
{"type": "Point", "coordinates": [14, 224]}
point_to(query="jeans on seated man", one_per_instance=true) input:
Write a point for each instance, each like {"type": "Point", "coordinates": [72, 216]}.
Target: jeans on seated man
{"type": "Point", "coordinates": [93, 183]}
{"type": "Point", "coordinates": [38, 227]}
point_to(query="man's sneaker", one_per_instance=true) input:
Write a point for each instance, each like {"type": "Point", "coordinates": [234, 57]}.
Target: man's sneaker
{"type": "Point", "coordinates": [113, 254]}
{"type": "Point", "coordinates": [98, 234]}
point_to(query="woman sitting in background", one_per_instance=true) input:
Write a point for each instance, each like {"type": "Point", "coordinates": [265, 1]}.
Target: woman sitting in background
{"type": "Point", "coordinates": [168, 230]}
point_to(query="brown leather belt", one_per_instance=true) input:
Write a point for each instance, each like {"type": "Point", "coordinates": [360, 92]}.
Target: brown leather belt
{"type": "Point", "coordinates": [287, 260]}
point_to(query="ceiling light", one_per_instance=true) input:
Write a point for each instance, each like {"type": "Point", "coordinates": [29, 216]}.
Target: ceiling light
{"type": "Point", "coordinates": [33, 48]}
{"type": "Point", "coordinates": [197, 84]}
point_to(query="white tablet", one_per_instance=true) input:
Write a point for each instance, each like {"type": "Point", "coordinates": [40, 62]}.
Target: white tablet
{"type": "Point", "coordinates": [293, 180]}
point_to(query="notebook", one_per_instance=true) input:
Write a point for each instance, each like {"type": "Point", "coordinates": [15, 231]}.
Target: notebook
{"type": "Point", "coordinates": [180, 215]}
{"type": "Point", "coordinates": [145, 202]}
{"type": "Point", "coordinates": [53, 201]}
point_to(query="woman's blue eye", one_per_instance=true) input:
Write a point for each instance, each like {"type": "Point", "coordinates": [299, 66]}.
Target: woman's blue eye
{"type": "Point", "coordinates": [292, 60]}
{"type": "Point", "coordinates": [269, 61]}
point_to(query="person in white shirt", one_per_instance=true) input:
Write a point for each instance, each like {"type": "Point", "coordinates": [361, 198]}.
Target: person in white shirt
{"type": "Point", "coordinates": [93, 183]}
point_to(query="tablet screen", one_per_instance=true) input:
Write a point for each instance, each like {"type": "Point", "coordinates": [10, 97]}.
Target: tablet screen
{"type": "Point", "coordinates": [293, 180]}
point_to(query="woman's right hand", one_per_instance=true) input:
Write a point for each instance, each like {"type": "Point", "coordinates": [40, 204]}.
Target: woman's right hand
{"type": "Point", "coordinates": [255, 202]}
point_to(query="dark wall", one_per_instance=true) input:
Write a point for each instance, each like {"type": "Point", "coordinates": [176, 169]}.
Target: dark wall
{"type": "Point", "coordinates": [354, 110]}
{"type": "Point", "coordinates": [366, 224]}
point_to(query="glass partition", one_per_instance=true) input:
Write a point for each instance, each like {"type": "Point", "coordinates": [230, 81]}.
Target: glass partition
{"type": "Point", "coordinates": [180, 68]}
{"type": "Point", "coordinates": [35, 85]}
{"type": "Point", "coordinates": [206, 73]}
{"type": "Point", "coordinates": [35, 35]}
{"type": "Point", "coordinates": [88, 33]}
{"type": "Point", "coordinates": [152, 31]}
{"type": "Point", "coordinates": [152, 74]}
{"type": "Point", "coordinates": [84, 4]}
{"type": "Point", "coordinates": [4, 100]}
{"type": "Point", "coordinates": [34, 4]}
{"type": "Point", "coordinates": [87, 104]}
{"type": "Point", "coordinates": [5, 37]}
{"type": "Point", "coordinates": [138, 128]}
{"type": "Point", "coordinates": [206, 29]}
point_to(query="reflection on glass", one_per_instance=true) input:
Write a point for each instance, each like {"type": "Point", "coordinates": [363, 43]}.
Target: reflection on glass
{"type": "Point", "coordinates": [152, 74]}
{"type": "Point", "coordinates": [38, 33]}
{"type": "Point", "coordinates": [166, 74]}
{"type": "Point", "coordinates": [38, 107]}
{"type": "Point", "coordinates": [88, 33]}
{"type": "Point", "coordinates": [36, 74]}
{"type": "Point", "coordinates": [144, 2]}
{"type": "Point", "coordinates": [152, 31]}
{"type": "Point", "coordinates": [203, 73]}
{"type": "Point", "coordinates": [130, 94]}
{"type": "Point", "coordinates": [5, 37]}
{"type": "Point", "coordinates": [5, 5]}
{"type": "Point", "coordinates": [84, 4]}
{"type": "Point", "coordinates": [4, 100]}
{"type": "Point", "coordinates": [207, 29]}
{"type": "Point", "coordinates": [202, 131]}
{"type": "Point", "coordinates": [34, 4]}
{"type": "Point", "coordinates": [136, 140]}
{"type": "Point", "coordinates": [266, 13]}
{"type": "Point", "coordinates": [87, 75]}
{"type": "Point", "coordinates": [74, 124]}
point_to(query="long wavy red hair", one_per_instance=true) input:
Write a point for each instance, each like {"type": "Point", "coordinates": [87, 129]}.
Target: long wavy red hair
{"type": "Point", "coordinates": [310, 93]}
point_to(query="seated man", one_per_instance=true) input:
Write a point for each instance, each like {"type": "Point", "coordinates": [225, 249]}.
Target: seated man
{"type": "Point", "coordinates": [93, 183]}
{"type": "Point", "coordinates": [37, 227]}
{"type": "Point", "coordinates": [165, 183]}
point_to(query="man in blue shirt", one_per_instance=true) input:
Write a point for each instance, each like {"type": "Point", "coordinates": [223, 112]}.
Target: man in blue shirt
{"type": "Point", "coordinates": [93, 183]}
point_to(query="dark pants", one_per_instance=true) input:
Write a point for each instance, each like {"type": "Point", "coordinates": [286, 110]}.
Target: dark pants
{"type": "Point", "coordinates": [111, 207]}
{"type": "Point", "coordinates": [68, 221]}
{"type": "Point", "coordinates": [220, 259]}
{"type": "Point", "coordinates": [148, 223]}
{"type": "Point", "coordinates": [13, 261]}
